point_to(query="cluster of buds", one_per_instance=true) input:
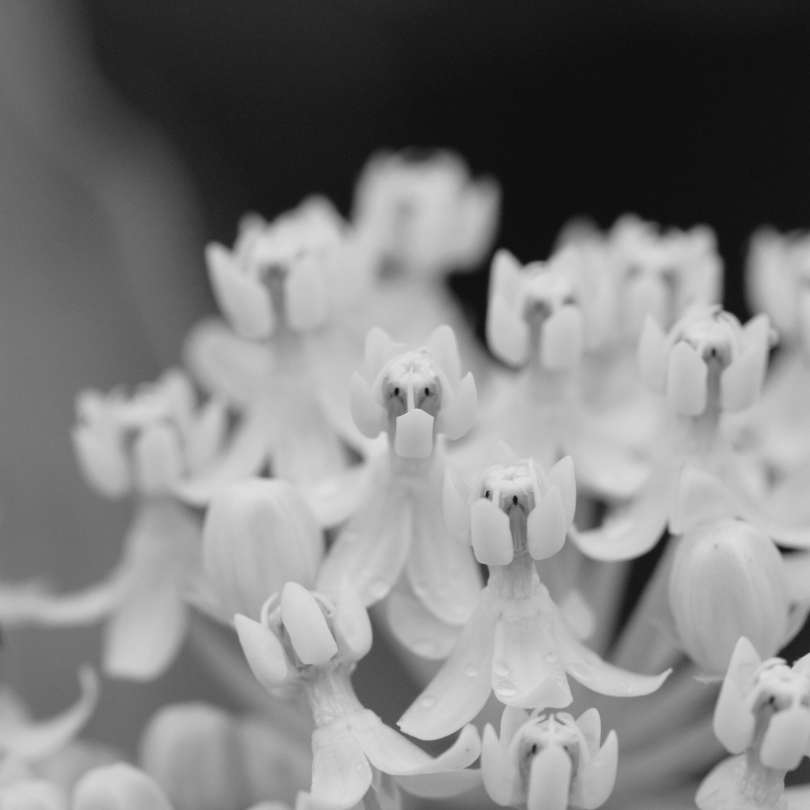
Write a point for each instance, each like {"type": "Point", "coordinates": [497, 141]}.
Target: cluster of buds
{"type": "Point", "coordinates": [549, 761]}
{"type": "Point", "coordinates": [413, 395]}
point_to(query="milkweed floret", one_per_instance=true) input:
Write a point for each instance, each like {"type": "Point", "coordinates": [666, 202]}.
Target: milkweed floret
{"type": "Point", "coordinates": [549, 761]}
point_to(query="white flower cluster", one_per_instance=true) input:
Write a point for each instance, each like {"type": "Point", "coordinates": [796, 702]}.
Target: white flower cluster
{"type": "Point", "coordinates": [307, 467]}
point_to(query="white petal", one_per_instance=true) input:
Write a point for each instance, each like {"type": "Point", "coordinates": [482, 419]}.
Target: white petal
{"type": "Point", "coordinates": [527, 670]}
{"type": "Point", "coordinates": [507, 333]}
{"type": "Point", "coordinates": [306, 625]}
{"type": "Point", "coordinates": [720, 779]}
{"type": "Point", "coordinates": [501, 776]}
{"type": "Point", "coordinates": [306, 295]}
{"type": "Point", "coordinates": [491, 535]}
{"type": "Point", "coordinates": [506, 277]}
{"type": "Point", "coordinates": [455, 507]}
{"type": "Point", "coordinates": [461, 687]}
{"type": "Point", "coordinates": [591, 671]}
{"type": "Point", "coordinates": [687, 375]}
{"type": "Point", "coordinates": [578, 614]}
{"type": "Point", "coordinates": [512, 718]}
{"type": "Point", "coordinates": [590, 724]}
{"type": "Point", "coordinates": [562, 474]}
{"type": "Point", "coordinates": [741, 382]}
{"type": "Point", "coordinates": [158, 458]}
{"type": "Point", "coordinates": [102, 460]}
{"type": "Point", "coordinates": [243, 299]}
{"type": "Point", "coordinates": [561, 338]}
{"type": "Point", "coordinates": [226, 365]}
{"type": "Point", "coordinates": [594, 782]}
{"type": "Point", "coordinates": [414, 434]}
{"type": "Point", "coordinates": [456, 419]}
{"type": "Point", "coordinates": [786, 739]}
{"type": "Point", "coordinates": [334, 500]}
{"type": "Point", "coordinates": [549, 779]}
{"type": "Point", "coordinates": [32, 794]}
{"type": "Point", "coordinates": [351, 623]}
{"type": "Point", "coordinates": [371, 549]}
{"type": "Point", "coordinates": [38, 740]}
{"type": "Point", "coordinates": [417, 629]}
{"type": "Point", "coordinates": [733, 720]}
{"type": "Point", "coordinates": [701, 497]}
{"type": "Point", "coordinates": [118, 787]}
{"type": "Point", "coordinates": [546, 526]}
{"type": "Point", "coordinates": [378, 347]}
{"type": "Point", "coordinates": [501, 453]}
{"type": "Point", "coordinates": [204, 437]}
{"type": "Point", "coordinates": [264, 652]}
{"type": "Point", "coordinates": [341, 773]}
{"type": "Point", "coordinates": [440, 785]}
{"type": "Point", "coordinates": [443, 342]}
{"type": "Point", "coordinates": [652, 355]}
{"type": "Point", "coordinates": [368, 414]}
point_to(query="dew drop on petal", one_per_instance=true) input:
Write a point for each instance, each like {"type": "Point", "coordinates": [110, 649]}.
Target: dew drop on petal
{"type": "Point", "coordinates": [505, 689]}
{"type": "Point", "coordinates": [580, 671]}
{"type": "Point", "coordinates": [428, 702]}
{"type": "Point", "coordinates": [471, 670]}
{"type": "Point", "coordinates": [500, 668]}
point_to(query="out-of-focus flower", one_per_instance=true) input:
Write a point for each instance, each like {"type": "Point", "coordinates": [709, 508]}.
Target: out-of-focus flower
{"type": "Point", "coordinates": [536, 320]}
{"type": "Point", "coordinates": [549, 761]}
{"type": "Point", "coordinates": [398, 526]}
{"type": "Point", "coordinates": [118, 787]}
{"type": "Point", "coordinates": [310, 640]}
{"type": "Point", "coordinates": [516, 643]}
{"type": "Point", "coordinates": [206, 759]}
{"type": "Point", "coordinates": [763, 716]}
{"type": "Point", "coordinates": [258, 534]}
{"type": "Point", "coordinates": [149, 445]}
{"type": "Point", "coordinates": [424, 215]}
{"type": "Point", "coordinates": [26, 746]}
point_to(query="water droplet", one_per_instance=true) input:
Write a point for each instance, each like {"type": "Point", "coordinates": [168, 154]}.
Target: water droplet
{"type": "Point", "coordinates": [500, 668]}
{"type": "Point", "coordinates": [580, 671]}
{"type": "Point", "coordinates": [428, 702]}
{"type": "Point", "coordinates": [378, 588]}
{"type": "Point", "coordinates": [471, 670]}
{"type": "Point", "coordinates": [505, 689]}
{"type": "Point", "coordinates": [551, 658]}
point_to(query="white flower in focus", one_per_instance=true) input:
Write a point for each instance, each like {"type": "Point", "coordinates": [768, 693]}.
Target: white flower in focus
{"type": "Point", "coordinates": [312, 641]}
{"type": "Point", "coordinates": [763, 716]}
{"type": "Point", "coordinates": [424, 216]}
{"type": "Point", "coordinates": [549, 761]}
{"type": "Point", "coordinates": [516, 643]}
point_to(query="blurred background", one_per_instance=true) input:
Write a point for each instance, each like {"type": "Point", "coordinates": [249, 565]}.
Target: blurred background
{"type": "Point", "coordinates": [133, 132]}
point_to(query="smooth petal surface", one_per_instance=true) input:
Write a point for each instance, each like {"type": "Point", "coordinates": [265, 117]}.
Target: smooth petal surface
{"type": "Point", "coordinates": [264, 652]}
{"type": "Point", "coordinates": [371, 549]}
{"type": "Point", "coordinates": [506, 332]}
{"type": "Point", "coordinates": [306, 296]}
{"type": "Point", "coordinates": [594, 782]}
{"type": "Point", "coordinates": [526, 669]}
{"type": "Point", "coordinates": [102, 460]}
{"type": "Point", "coordinates": [351, 623]}
{"type": "Point", "coordinates": [594, 673]}
{"type": "Point", "coordinates": [414, 434]}
{"type": "Point", "coordinates": [455, 507]}
{"type": "Point", "coordinates": [306, 625]}
{"type": "Point", "coordinates": [700, 497]}
{"type": "Point", "coordinates": [461, 687]}
{"type": "Point", "coordinates": [417, 629]}
{"type": "Point", "coordinates": [38, 740]}
{"type": "Point", "coordinates": [546, 526]}
{"type": "Point", "coordinates": [561, 338]}
{"type": "Point", "coordinates": [562, 475]}
{"type": "Point", "coordinates": [549, 779]}
{"type": "Point", "coordinates": [157, 457]}
{"type": "Point", "coordinates": [32, 794]}
{"type": "Point", "coordinates": [334, 500]}
{"type": "Point", "coordinates": [499, 772]}
{"type": "Point", "coordinates": [787, 739]}
{"type": "Point", "coordinates": [368, 414]}
{"type": "Point", "coordinates": [118, 787]}
{"type": "Point", "coordinates": [341, 773]}
{"type": "Point", "coordinates": [456, 419]}
{"type": "Point", "coordinates": [686, 380]}
{"type": "Point", "coordinates": [741, 381]}
{"type": "Point", "coordinates": [733, 720]}
{"type": "Point", "coordinates": [443, 342]}
{"type": "Point", "coordinates": [491, 535]}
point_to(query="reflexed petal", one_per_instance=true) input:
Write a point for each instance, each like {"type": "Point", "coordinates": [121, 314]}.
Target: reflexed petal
{"type": "Point", "coordinates": [341, 773]}
{"type": "Point", "coordinates": [526, 669]}
{"type": "Point", "coordinates": [414, 434]}
{"type": "Point", "coordinates": [507, 333]}
{"type": "Point", "coordinates": [243, 299]}
{"type": "Point", "coordinates": [491, 535]}
{"type": "Point", "coordinates": [500, 775]}
{"type": "Point", "coordinates": [416, 628]}
{"type": "Point", "coordinates": [444, 575]}
{"type": "Point", "coordinates": [458, 416]}
{"type": "Point", "coordinates": [561, 338]}
{"type": "Point", "coordinates": [351, 623]}
{"type": "Point", "coordinates": [549, 780]}
{"type": "Point", "coordinates": [461, 687]}
{"type": "Point", "coordinates": [264, 652]}
{"type": "Point", "coordinates": [578, 614]}
{"type": "Point", "coordinates": [306, 625]}
{"type": "Point", "coordinates": [632, 530]}
{"type": "Point", "coordinates": [440, 785]}
{"type": "Point", "coordinates": [686, 380]}
{"type": "Point", "coordinates": [225, 364]}
{"type": "Point", "coordinates": [306, 301]}
{"type": "Point", "coordinates": [371, 549]}
{"type": "Point", "coordinates": [652, 355]}
{"type": "Point", "coordinates": [594, 782]}
{"type": "Point", "coordinates": [591, 671]}
{"type": "Point", "coordinates": [38, 740]}
{"type": "Point", "coordinates": [118, 787]}
{"type": "Point", "coordinates": [369, 416]}
{"type": "Point", "coordinates": [787, 739]}
{"type": "Point", "coordinates": [244, 456]}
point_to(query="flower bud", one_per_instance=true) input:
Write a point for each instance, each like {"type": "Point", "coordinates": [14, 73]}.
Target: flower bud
{"type": "Point", "coordinates": [727, 581]}
{"type": "Point", "coordinates": [118, 787]}
{"type": "Point", "coordinates": [258, 535]}
{"type": "Point", "coordinates": [191, 751]}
